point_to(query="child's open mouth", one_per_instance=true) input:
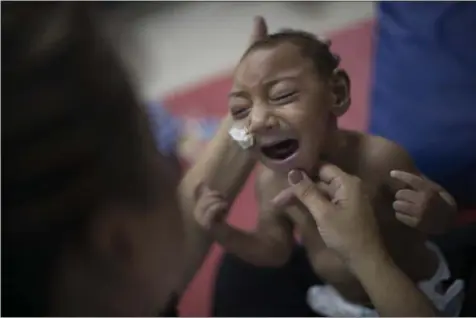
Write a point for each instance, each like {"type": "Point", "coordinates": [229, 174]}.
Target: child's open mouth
{"type": "Point", "coordinates": [281, 150]}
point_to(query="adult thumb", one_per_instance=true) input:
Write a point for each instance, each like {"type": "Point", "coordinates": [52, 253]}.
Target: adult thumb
{"type": "Point", "coordinates": [260, 29]}
{"type": "Point", "coordinates": [307, 192]}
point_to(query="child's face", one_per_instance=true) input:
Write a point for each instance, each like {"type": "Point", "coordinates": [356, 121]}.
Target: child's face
{"type": "Point", "coordinates": [279, 96]}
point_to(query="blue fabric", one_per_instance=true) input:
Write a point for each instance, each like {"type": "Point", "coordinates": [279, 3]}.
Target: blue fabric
{"type": "Point", "coordinates": [165, 127]}
{"type": "Point", "coordinates": [168, 129]}
{"type": "Point", "coordinates": [424, 87]}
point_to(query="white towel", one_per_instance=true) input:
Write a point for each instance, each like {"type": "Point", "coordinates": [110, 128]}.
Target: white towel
{"type": "Point", "coordinates": [326, 300]}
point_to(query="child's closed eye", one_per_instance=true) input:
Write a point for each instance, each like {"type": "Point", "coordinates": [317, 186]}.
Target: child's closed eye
{"type": "Point", "coordinates": [239, 112]}
{"type": "Point", "coordinates": [285, 97]}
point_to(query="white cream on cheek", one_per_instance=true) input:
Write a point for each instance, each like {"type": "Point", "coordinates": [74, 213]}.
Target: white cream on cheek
{"type": "Point", "coordinates": [242, 136]}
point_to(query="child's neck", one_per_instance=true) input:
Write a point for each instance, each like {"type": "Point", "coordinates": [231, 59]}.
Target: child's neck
{"type": "Point", "coordinates": [334, 149]}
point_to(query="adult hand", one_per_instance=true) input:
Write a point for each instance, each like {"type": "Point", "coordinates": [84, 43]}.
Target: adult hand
{"type": "Point", "coordinates": [347, 225]}
{"type": "Point", "coordinates": [225, 167]}
{"type": "Point", "coordinates": [341, 209]}
{"type": "Point", "coordinates": [260, 29]}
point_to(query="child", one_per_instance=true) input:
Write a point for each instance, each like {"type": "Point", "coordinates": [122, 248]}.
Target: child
{"type": "Point", "coordinates": [287, 94]}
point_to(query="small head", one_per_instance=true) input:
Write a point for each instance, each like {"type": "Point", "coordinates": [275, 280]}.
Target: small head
{"type": "Point", "coordinates": [288, 91]}
{"type": "Point", "coordinates": [90, 223]}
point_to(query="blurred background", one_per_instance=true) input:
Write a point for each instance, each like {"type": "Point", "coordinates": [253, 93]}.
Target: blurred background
{"type": "Point", "coordinates": [169, 46]}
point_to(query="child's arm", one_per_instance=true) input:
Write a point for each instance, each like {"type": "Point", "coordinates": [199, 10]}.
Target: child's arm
{"type": "Point", "coordinates": [269, 245]}
{"type": "Point", "coordinates": [419, 202]}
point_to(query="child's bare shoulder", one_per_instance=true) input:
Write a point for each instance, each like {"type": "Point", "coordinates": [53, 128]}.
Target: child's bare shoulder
{"type": "Point", "coordinates": [381, 150]}
{"type": "Point", "coordinates": [381, 155]}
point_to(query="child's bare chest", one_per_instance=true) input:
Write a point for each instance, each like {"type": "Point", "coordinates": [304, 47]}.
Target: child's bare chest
{"type": "Point", "coordinates": [397, 236]}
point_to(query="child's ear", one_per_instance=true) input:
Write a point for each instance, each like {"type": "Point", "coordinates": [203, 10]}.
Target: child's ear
{"type": "Point", "coordinates": [340, 86]}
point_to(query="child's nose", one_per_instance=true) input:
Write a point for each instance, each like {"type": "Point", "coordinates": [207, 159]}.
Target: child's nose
{"type": "Point", "coordinates": [261, 120]}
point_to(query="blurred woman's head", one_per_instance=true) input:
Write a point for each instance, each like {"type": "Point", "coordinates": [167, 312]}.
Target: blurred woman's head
{"type": "Point", "coordinates": [90, 225]}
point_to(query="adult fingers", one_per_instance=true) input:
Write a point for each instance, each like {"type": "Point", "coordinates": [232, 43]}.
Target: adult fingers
{"type": "Point", "coordinates": [443, 193]}
{"type": "Point", "coordinates": [407, 219]}
{"type": "Point", "coordinates": [287, 197]}
{"type": "Point", "coordinates": [217, 207]}
{"type": "Point", "coordinates": [414, 181]}
{"type": "Point", "coordinates": [284, 198]}
{"type": "Point", "coordinates": [206, 202]}
{"type": "Point", "coordinates": [435, 186]}
{"type": "Point", "coordinates": [215, 212]}
{"type": "Point", "coordinates": [202, 189]}
{"type": "Point", "coordinates": [306, 191]}
{"type": "Point", "coordinates": [216, 194]}
{"type": "Point", "coordinates": [408, 195]}
{"type": "Point", "coordinates": [260, 29]}
{"type": "Point", "coordinates": [406, 208]}
{"type": "Point", "coordinates": [330, 173]}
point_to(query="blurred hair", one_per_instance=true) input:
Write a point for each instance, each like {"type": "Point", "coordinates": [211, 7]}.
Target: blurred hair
{"type": "Point", "coordinates": [73, 138]}
{"type": "Point", "coordinates": [313, 48]}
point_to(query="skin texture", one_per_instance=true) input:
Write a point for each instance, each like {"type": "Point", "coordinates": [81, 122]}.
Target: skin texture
{"type": "Point", "coordinates": [276, 91]}
{"type": "Point", "coordinates": [342, 211]}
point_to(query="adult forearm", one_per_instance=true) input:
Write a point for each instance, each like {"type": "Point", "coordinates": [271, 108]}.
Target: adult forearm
{"type": "Point", "coordinates": [224, 167]}
{"type": "Point", "coordinates": [253, 247]}
{"type": "Point", "coordinates": [390, 290]}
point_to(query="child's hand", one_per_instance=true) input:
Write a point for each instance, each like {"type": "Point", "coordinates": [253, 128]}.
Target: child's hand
{"type": "Point", "coordinates": [424, 205]}
{"type": "Point", "coordinates": [211, 207]}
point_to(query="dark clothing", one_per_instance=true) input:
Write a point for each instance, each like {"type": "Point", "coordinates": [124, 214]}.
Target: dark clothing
{"type": "Point", "coordinates": [242, 290]}
{"type": "Point", "coordinates": [171, 307]}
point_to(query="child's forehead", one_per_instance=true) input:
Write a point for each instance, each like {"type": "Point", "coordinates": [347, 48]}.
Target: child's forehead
{"type": "Point", "coordinates": [280, 57]}
{"type": "Point", "coordinates": [280, 52]}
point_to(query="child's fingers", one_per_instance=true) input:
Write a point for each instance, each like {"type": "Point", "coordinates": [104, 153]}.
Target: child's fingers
{"type": "Point", "coordinates": [215, 212]}
{"type": "Point", "coordinates": [406, 208]}
{"type": "Point", "coordinates": [408, 195]}
{"type": "Point", "coordinates": [406, 219]}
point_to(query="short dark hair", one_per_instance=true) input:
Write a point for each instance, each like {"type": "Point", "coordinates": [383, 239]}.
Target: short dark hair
{"type": "Point", "coordinates": [317, 50]}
